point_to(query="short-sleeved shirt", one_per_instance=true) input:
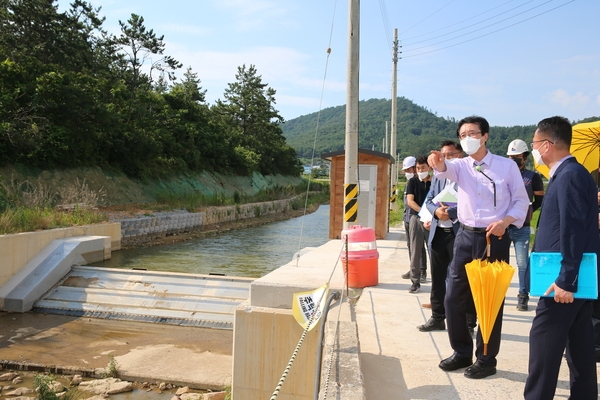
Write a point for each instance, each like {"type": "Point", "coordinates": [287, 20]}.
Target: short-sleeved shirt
{"type": "Point", "coordinates": [419, 189]}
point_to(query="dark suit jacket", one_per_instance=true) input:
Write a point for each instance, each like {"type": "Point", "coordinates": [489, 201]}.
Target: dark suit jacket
{"type": "Point", "coordinates": [568, 221]}
{"type": "Point", "coordinates": [437, 185]}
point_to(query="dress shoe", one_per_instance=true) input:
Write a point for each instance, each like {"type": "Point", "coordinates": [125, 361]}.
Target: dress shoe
{"type": "Point", "coordinates": [434, 324]}
{"type": "Point", "coordinates": [479, 370]}
{"type": "Point", "coordinates": [426, 305]}
{"type": "Point", "coordinates": [455, 362]}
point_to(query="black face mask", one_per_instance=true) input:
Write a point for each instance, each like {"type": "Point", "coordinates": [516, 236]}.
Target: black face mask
{"type": "Point", "coordinates": [519, 161]}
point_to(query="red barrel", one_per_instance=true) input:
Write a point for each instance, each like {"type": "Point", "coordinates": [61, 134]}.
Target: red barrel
{"type": "Point", "coordinates": [363, 258]}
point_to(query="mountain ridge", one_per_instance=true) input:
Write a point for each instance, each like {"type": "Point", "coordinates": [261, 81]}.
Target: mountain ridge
{"type": "Point", "coordinates": [418, 129]}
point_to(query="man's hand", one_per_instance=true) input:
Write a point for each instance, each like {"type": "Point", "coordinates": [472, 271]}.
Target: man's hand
{"type": "Point", "coordinates": [427, 225]}
{"type": "Point", "coordinates": [599, 197]}
{"type": "Point", "coordinates": [442, 213]}
{"type": "Point", "coordinates": [560, 295]}
{"type": "Point", "coordinates": [435, 160]}
{"type": "Point", "coordinates": [496, 229]}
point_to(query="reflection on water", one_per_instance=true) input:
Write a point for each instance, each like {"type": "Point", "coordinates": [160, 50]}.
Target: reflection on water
{"type": "Point", "coordinates": [250, 252]}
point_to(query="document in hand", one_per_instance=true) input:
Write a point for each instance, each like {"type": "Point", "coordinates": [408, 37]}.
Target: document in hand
{"type": "Point", "coordinates": [447, 196]}
{"type": "Point", "coordinates": [424, 214]}
{"type": "Point", "coordinates": [544, 268]}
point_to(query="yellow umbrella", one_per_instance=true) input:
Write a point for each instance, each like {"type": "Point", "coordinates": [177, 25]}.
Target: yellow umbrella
{"type": "Point", "coordinates": [585, 147]}
{"type": "Point", "coordinates": [489, 282]}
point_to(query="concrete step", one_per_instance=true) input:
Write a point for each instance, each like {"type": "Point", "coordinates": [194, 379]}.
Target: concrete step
{"type": "Point", "coordinates": [173, 298]}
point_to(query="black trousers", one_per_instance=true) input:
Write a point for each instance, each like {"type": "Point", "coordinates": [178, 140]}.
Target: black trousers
{"type": "Point", "coordinates": [441, 251]}
{"type": "Point", "coordinates": [596, 325]}
{"type": "Point", "coordinates": [557, 326]}
{"type": "Point", "coordinates": [469, 246]}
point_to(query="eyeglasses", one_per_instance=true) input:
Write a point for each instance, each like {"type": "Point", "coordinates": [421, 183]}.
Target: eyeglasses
{"type": "Point", "coordinates": [450, 155]}
{"type": "Point", "coordinates": [540, 141]}
{"type": "Point", "coordinates": [463, 135]}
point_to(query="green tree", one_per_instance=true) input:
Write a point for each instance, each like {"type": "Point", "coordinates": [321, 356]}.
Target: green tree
{"type": "Point", "coordinates": [51, 76]}
{"type": "Point", "coordinates": [252, 125]}
{"type": "Point", "coordinates": [137, 44]}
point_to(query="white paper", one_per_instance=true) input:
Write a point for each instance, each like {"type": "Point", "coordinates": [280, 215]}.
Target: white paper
{"type": "Point", "coordinates": [447, 196]}
{"type": "Point", "coordinates": [424, 214]}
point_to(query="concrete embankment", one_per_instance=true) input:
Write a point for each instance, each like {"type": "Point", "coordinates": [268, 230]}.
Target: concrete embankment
{"type": "Point", "coordinates": [143, 229]}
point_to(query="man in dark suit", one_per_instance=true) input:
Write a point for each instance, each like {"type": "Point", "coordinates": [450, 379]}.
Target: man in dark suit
{"type": "Point", "coordinates": [442, 232]}
{"type": "Point", "coordinates": [568, 225]}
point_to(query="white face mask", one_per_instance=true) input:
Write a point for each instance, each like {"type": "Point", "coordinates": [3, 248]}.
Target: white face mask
{"type": "Point", "coordinates": [537, 157]}
{"type": "Point", "coordinates": [470, 145]}
{"type": "Point", "coordinates": [409, 175]}
{"type": "Point", "coordinates": [423, 175]}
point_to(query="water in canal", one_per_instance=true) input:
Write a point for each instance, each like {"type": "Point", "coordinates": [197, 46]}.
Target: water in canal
{"type": "Point", "coordinates": [249, 252]}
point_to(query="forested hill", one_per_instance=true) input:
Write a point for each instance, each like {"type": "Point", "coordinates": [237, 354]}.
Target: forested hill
{"type": "Point", "coordinates": [418, 129]}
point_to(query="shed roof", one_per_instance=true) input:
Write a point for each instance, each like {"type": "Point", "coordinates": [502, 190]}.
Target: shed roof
{"type": "Point", "coordinates": [332, 154]}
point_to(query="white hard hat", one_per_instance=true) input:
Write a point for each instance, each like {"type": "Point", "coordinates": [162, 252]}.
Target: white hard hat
{"type": "Point", "coordinates": [517, 147]}
{"type": "Point", "coordinates": [409, 162]}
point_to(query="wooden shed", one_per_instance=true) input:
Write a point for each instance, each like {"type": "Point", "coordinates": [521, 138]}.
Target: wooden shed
{"type": "Point", "coordinates": [374, 171]}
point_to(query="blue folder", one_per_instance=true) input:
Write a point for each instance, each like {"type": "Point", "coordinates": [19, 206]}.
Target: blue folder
{"type": "Point", "coordinates": [545, 267]}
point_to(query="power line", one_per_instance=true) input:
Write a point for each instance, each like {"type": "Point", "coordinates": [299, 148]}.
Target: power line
{"type": "Point", "coordinates": [386, 24]}
{"type": "Point", "coordinates": [489, 33]}
{"type": "Point", "coordinates": [477, 23]}
{"type": "Point", "coordinates": [429, 16]}
{"type": "Point", "coordinates": [479, 29]}
{"type": "Point", "coordinates": [466, 20]}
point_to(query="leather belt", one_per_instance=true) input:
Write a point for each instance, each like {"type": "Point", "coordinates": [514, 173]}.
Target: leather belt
{"type": "Point", "coordinates": [447, 230]}
{"type": "Point", "coordinates": [472, 229]}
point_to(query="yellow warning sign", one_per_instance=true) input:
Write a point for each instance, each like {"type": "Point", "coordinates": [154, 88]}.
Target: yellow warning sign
{"type": "Point", "coordinates": [305, 304]}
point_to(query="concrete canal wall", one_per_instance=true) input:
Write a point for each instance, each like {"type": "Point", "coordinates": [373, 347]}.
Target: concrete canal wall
{"type": "Point", "coordinates": [137, 231]}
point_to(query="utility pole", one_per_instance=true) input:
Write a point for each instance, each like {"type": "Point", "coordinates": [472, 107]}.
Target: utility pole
{"type": "Point", "coordinates": [385, 147]}
{"type": "Point", "coordinates": [394, 172]}
{"type": "Point", "coordinates": [351, 152]}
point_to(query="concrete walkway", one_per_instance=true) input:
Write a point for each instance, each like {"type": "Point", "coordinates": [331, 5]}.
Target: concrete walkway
{"type": "Point", "coordinates": [400, 362]}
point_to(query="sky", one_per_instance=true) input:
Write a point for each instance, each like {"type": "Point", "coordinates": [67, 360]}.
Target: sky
{"type": "Point", "coordinates": [513, 62]}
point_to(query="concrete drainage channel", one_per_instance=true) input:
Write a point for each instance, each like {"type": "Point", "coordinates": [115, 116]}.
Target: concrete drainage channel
{"type": "Point", "coordinates": [147, 296]}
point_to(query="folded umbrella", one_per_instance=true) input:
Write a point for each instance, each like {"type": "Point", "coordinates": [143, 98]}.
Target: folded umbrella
{"type": "Point", "coordinates": [489, 283]}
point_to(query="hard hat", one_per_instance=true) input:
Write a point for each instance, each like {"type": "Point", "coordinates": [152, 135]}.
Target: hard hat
{"type": "Point", "coordinates": [517, 147]}
{"type": "Point", "coordinates": [409, 162]}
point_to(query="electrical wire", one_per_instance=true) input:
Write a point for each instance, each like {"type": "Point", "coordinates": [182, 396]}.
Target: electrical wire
{"type": "Point", "coordinates": [477, 23]}
{"type": "Point", "coordinates": [489, 33]}
{"type": "Point", "coordinates": [386, 25]}
{"type": "Point", "coordinates": [466, 20]}
{"type": "Point", "coordinates": [312, 159]}
{"type": "Point", "coordinates": [427, 17]}
{"type": "Point", "coordinates": [479, 29]}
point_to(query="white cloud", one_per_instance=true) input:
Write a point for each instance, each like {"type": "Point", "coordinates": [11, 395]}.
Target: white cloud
{"type": "Point", "coordinates": [563, 98]}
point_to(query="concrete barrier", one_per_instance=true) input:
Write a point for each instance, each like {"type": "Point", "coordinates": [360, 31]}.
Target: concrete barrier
{"type": "Point", "coordinates": [20, 248]}
{"type": "Point", "coordinates": [47, 268]}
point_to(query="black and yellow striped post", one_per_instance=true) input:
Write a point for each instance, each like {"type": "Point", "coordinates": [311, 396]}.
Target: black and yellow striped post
{"type": "Point", "coordinates": [350, 202]}
{"type": "Point", "coordinates": [393, 195]}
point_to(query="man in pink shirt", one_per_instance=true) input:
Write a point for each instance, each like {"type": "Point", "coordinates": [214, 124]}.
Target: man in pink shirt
{"type": "Point", "coordinates": [491, 196]}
